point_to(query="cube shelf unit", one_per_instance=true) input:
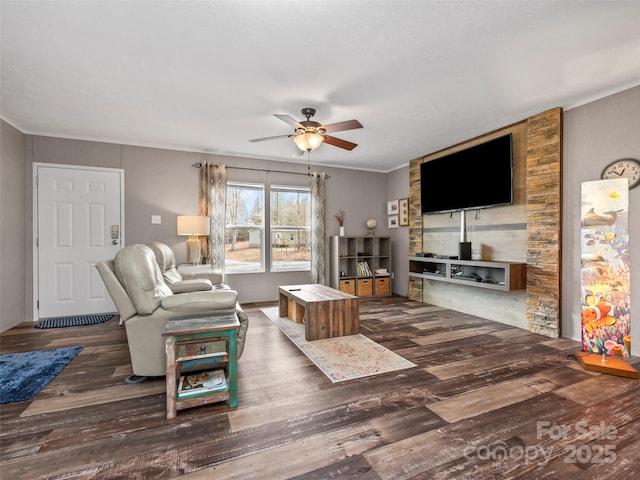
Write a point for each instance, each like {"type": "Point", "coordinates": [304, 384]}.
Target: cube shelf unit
{"type": "Point", "coordinates": [348, 252]}
{"type": "Point", "coordinates": [504, 276]}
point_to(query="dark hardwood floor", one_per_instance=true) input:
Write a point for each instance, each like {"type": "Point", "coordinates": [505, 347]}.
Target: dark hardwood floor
{"type": "Point", "coordinates": [486, 401]}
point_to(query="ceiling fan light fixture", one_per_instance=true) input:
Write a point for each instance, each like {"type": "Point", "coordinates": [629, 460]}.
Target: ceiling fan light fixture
{"type": "Point", "coordinates": [309, 135]}
{"type": "Point", "coordinates": [308, 142]}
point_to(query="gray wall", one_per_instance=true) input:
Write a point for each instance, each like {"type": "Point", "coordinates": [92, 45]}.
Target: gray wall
{"type": "Point", "coordinates": [12, 233]}
{"type": "Point", "coordinates": [163, 182]}
{"type": "Point", "coordinates": [596, 134]}
{"type": "Point", "coordinates": [398, 187]}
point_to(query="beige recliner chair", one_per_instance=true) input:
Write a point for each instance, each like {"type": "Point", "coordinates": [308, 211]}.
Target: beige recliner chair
{"type": "Point", "coordinates": [202, 279]}
{"type": "Point", "coordinates": [145, 302]}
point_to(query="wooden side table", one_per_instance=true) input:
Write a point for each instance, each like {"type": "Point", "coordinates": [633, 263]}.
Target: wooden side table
{"type": "Point", "coordinates": [181, 333]}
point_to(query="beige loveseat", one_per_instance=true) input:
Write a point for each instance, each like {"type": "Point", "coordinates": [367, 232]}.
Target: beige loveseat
{"type": "Point", "coordinates": [145, 302]}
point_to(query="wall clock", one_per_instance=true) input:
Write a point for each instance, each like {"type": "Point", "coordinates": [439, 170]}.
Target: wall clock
{"type": "Point", "coordinates": [628, 168]}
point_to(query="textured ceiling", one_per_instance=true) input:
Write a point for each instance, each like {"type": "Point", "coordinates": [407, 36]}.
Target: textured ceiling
{"type": "Point", "coordinates": [207, 76]}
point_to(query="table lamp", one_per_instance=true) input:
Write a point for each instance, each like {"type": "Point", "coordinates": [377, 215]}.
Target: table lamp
{"type": "Point", "coordinates": [193, 226]}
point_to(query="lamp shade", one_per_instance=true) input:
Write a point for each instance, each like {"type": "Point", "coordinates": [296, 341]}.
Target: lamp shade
{"type": "Point", "coordinates": [193, 225]}
{"type": "Point", "coordinates": [308, 141]}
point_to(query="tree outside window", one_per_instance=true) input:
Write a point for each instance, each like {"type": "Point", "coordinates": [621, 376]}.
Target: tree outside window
{"type": "Point", "coordinates": [290, 228]}
{"type": "Point", "coordinates": [244, 233]}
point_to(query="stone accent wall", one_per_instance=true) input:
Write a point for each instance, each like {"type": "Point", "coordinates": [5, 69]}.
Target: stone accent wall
{"type": "Point", "coordinates": [415, 225]}
{"type": "Point", "coordinates": [543, 215]}
{"type": "Point", "coordinates": [544, 221]}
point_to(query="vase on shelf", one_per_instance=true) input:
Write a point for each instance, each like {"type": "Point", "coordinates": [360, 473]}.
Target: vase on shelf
{"type": "Point", "coordinates": [341, 231]}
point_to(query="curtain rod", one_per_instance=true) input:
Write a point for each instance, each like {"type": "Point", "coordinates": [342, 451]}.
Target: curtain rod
{"type": "Point", "coordinates": [198, 165]}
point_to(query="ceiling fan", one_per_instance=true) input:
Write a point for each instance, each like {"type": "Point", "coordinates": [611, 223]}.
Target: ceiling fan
{"type": "Point", "coordinates": [309, 134]}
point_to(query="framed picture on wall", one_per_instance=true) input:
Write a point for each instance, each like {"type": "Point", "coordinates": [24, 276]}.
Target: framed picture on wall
{"type": "Point", "coordinates": [403, 212]}
{"type": "Point", "coordinates": [392, 207]}
{"type": "Point", "coordinates": [393, 221]}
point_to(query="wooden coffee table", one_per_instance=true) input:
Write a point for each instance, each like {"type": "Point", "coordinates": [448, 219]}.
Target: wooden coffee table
{"type": "Point", "coordinates": [325, 311]}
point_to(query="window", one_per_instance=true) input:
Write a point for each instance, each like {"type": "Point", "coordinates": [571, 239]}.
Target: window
{"type": "Point", "coordinates": [290, 228]}
{"type": "Point", "coordinates": [244, 233]}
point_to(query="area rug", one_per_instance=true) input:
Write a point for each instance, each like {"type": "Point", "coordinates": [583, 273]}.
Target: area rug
{"type": "Point", "coordinates": [23, 375]}
{"type": "Point", "coordinates": [78, 320]}
{"type": "Point", "coordinates": [341, 358]}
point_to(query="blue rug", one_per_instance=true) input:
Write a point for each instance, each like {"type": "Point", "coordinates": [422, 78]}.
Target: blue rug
{"type": "Point", "coordinates": [22, 375]}
{"type": "Point", "coordinates": [76, 321]}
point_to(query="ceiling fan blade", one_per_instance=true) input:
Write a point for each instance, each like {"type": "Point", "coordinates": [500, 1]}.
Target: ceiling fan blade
{"type": "Point", "coordinates": [287, 119]}
{"type": "Point", "coordinates": [338, 142]}
{"type": "Point", "coordinates": [340, 126]}
{"type": "Point", "coordinates": [270, 138]}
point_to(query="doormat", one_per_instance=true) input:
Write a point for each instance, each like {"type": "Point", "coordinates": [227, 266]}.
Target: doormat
{"type": "Point", "coordinates": [76, 321]}
{"type": "Point", "coordinates": [341, 358]}
{"type": "Point", "coordinates": [23, 375]}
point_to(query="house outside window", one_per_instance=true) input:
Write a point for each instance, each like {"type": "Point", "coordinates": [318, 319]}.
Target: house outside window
{"type": "Point", "coordinates": [244, 233]}
{"type": "Point", "coordinates": [290, 228]}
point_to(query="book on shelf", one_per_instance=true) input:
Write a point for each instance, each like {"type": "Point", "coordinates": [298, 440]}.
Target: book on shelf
{"type": "Point", "coordinates": [364, 270]}
{"type": "Point", "coordinates": [202, 382]}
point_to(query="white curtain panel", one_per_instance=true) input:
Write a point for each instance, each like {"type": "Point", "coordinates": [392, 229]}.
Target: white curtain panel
{"type": "Point", "coordinates": [213, 193]}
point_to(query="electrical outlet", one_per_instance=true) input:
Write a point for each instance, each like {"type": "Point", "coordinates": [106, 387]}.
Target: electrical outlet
{"type": "Point", "coordinates": [156, 220]}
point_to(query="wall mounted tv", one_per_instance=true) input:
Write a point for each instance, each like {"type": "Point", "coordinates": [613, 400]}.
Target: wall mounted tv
{"type": "Point", "coordinates": [477, 177]}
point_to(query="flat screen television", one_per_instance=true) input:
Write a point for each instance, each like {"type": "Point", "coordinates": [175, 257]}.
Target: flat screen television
{"type": "Point", "coordinates": [477, 177]}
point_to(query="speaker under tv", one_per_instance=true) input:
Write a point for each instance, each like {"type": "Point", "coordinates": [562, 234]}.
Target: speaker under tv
{"type": "Point", "coordinates": [464, 250]}
{"type": "Point", "coordinates": [477, 177]}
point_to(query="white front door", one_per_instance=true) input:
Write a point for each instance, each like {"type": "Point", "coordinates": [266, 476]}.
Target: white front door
{"type": "Point", "coordinates": [78, 222]}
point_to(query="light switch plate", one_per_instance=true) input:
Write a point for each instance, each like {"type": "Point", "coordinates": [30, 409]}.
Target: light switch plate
{"type": "Point", "coordinates": [156, 220]}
